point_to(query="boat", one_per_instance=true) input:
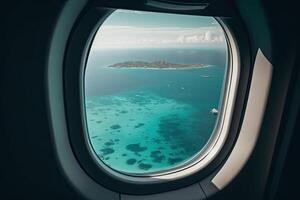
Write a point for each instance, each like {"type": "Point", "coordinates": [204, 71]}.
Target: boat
{"type": "Point", "coordinates": [214, 111]}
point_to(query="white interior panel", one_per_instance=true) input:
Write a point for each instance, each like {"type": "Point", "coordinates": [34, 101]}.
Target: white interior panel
{"type": "Point", "coordinates": [258, 95]}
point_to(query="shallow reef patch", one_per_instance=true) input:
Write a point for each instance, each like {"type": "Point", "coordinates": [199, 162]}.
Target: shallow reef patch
{"type": "Point", "coordinates": [139, 125]}
{"type": "Point", "coordinates": [172, 161]}
{"type": "Point", "coordinates": [136, 148]}
{"type": "Point", "coordinates": [107, 151]}
{"type": "Point", "coordinates": [109, 143]}
{"type": "Point", "coordinates": [157, 157]}
{"type": "Point", "coordinates": [116, 126]}
{"type": "Point", "coordinates": [144, 166]}
{"type": "Point", "coordinates": [131, 161]}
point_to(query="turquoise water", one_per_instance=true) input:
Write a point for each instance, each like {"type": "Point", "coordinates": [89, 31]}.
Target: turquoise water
{"type": "Point", "coordinates": [147, 120]}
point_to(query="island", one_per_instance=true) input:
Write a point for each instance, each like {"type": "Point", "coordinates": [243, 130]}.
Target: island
{"type": "Point", "coordinates": [154, 65]}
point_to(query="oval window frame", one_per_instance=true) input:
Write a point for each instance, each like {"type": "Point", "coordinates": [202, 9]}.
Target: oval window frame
{"type": "Point", "coordinates": [76, 57]}
{"type": "Point", "coordinates": [214, 143]}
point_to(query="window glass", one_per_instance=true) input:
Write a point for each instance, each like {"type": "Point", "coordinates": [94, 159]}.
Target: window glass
{"type": "Point", "coordinates": [153, 87]}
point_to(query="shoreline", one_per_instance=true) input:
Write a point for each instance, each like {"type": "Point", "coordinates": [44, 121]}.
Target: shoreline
{"type": "Point", "coordinates": [156, 68]}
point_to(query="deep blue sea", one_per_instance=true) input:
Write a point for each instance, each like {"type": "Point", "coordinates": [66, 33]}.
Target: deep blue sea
{"type": "Point", "coordinates": [146, 120]}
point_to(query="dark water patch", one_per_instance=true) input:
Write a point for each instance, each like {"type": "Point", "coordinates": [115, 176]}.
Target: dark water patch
{"type": "Point", "coordinates": [123, 111]}
{"type": "Point", "coordinates": [172, 161]}
{"type": "Point", "coordinates": [117, 114]}
{"type": "Point", "coordinates": [170, 128]}
{"type": "Point", "coordinates": [131, 161]}
{"type": "Point", "coordinates": [144, 166]}
{"type": "Point", "coordinates": [155, 153]}
{"type": "Point", "coordinates": [141, 160]}
{"type": "Point", "coordinates": [157, 141]}
{"type": "Point", "coordinates": [109, 143]}
{"type": "Point", "coordinates": [182, 152]}
{"type": "Point", "coordinates": [116, 126]}
{"type": "Point", "coordinates": [99, 122]}
{"type": "Point", "coordinates": [131, 120]}
{"type": "Point", "coordinates": [95, 136]}
{"type": "Point", "coordinates": [157, 157]}
{"type": "Point", "coordinates": [204, 127]}
{"type": "Point", "coordinates": [116, 140]}
{"type": "Point", "coordinates": [136, 148]}
{"type": "Point", "coordinates": [107, 151]}
{"type": "Point", "coordinates": [107, 158]}
{"type": "Point", "coordinates": [139, 125]}
{"type": "Point", "coordinates": [124, 154]}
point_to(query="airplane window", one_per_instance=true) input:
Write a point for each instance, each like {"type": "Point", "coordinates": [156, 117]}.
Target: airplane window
{"type": "Point", "coordinates": [153, 90]}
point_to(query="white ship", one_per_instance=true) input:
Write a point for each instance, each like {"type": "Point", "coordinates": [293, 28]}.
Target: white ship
{"type": "Point", "coordinates": [214, 111]}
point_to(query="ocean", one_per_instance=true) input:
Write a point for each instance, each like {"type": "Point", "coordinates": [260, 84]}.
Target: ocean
{"type": "Point", "coordinates": [147, 120]}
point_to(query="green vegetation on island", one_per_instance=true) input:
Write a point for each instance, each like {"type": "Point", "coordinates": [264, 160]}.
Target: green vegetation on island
{"type": "Point", "coordinates": [157, 64]}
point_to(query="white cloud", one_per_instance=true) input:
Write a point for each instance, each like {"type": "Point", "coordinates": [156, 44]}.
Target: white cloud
{"type": "Point", "coordinates": [135, 37]}
{"type": "Point", "coordinates": [180, 39]}
{"type": "Point", "coordinates": [208, 36]}
{"type": "Point", "coordinates": [192, 39]}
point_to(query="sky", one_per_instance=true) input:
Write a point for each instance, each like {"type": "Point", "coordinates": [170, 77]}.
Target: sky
{"type": "Point", "coordinates": [137, 29]}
